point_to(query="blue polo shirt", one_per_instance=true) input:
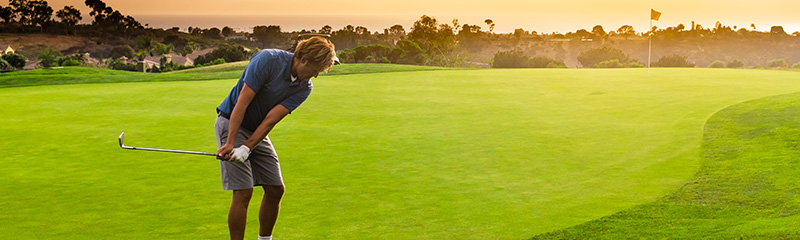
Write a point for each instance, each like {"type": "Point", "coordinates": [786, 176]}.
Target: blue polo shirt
{"type": "Point", "coordinates": [268, 74]}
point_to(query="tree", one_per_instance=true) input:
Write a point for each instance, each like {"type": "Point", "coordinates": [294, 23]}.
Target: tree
{"type": "Point", "coordinates": [327, 29]}
{"type": "Point", "coordinates": [32, 13]}
{"type": "Point", "coordinates": [396, 31]}
{"type": "Point", "coordinates": [22, 9]}
{"type": "Point", "coordinates": [161, 49]}
{"type": "Point", "coordinates": [599, 31]}
{"type": "Point", "coordinates": [490, 23]}
{"type": "Point", "coordinates": [431, 36]}
{"type": "Point", "coordinates": [188, 48]}
{"type": "Point", "coordinates": [69, 16]}
{"type": "Point", "coordinates": [227, 31]}
{"type": "Point", "coordinates": [213, 33]}
{"type": "Point", "coordinates": [777, 30]}
{"type": "Point", "coordinates": [626, 30]}
{"type": "Point", "coordinates": [145, 43]}
{"type": "Point", "coordinates": [7, 14]}
{"type": "Point", "coordinates": [268, 36]}
{"type": "Point", "coordinates": [596, 55]}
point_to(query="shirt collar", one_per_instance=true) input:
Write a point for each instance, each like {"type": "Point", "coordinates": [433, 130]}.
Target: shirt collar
{"type": "Point", "coordinates": [294, 79]}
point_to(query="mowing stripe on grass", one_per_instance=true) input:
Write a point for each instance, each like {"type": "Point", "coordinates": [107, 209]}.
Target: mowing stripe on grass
{"type": "Point", "coordinates": [747, 187]}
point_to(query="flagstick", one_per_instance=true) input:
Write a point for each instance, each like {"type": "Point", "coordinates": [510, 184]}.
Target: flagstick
{"type": "Point", "coordinates": [650, 46]}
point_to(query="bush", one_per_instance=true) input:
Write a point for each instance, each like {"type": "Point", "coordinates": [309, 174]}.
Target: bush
{"type": "Point", "coordinates": [545, 62]}
{"type": "Point", "coordinates": [609, 64]}
{"type": "Point", "coordinates": [510, 59]}
{"type": "Point", "coordinates": [796, 65]}
{"type": "Point", "coordinates": [596, 55]}
{"type": "Point", "coordinates": [673, 61]}
{"type": "Point", "coordinates": [117, 64]}
{"type": "Point", "coordinates": [71, 62]}
{"type": "Point", "coordinates": [635, 65]}
{"type": "Point", "coordinates": [122, 51]}
{"type": "Point", "coordinates": [15, 60]}
{"type": "Point", "coordinates": [717, 64]}
{"type": "Point", "coordinates": [408, 52]}
{"type": "Point", "coordinates": [370, 59]}
{"type": "Point", "coordinates": [77, 59]}
{"type": "Point", "coordinates": [777, 63]}
{"type": "Point", "coordinates": [49, 57]}
{"type": "Point", "coordinates": [229, 52]}
{"type": "Point", "coordinates": [736, 63]}
{"type": "Point", "coordinates": [5, 66]}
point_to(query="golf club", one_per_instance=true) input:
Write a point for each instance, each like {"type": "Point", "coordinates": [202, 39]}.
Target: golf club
{"type": "Point", "coordinates": [122, 136]}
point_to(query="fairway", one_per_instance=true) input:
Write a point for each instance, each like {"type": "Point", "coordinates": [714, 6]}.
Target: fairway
{"type": "Point", "coordinates": [455, 154]}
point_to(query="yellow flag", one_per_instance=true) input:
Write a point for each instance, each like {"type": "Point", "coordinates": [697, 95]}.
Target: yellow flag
{"type": "Point", "coordinates": [654, 15]}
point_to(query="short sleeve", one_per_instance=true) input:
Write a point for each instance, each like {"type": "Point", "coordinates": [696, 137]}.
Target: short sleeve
{"type": "Point", "coordinates": [256, 74]}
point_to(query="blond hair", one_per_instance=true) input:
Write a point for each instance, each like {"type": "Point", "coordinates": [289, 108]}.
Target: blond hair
{"type": "Point", "coordinates": [318, 51]}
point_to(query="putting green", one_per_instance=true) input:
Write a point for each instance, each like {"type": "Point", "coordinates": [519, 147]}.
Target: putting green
{"type": "Point", "coordinates": [457, 154]}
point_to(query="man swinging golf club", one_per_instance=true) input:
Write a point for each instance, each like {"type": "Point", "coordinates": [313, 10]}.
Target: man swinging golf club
{"type": "Point", "coordinates": [273, 84]}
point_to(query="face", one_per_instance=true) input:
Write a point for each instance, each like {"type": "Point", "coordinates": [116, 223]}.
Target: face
{"type": "Point", "coordinates": [306, 70]}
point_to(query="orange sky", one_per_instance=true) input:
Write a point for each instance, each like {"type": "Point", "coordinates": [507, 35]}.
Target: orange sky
{"type": "Point", "coordinates": [541, 16]}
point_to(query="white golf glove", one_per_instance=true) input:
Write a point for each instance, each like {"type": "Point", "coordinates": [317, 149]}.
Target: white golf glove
{"type": "Point", "coordinates": [240, 154]}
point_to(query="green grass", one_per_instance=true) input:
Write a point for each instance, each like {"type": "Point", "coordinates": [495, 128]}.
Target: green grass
{"type": "Point", "coordinates": [81, 75]}
{"type": "Point", "coordinates": [457, 154]}
{"type": "Point", "coordinates": [747, 186]}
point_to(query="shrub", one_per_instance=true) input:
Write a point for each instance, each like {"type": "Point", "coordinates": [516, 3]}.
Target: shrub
{"type": "Point", "coordinates": [117, 64]}
{"type": "Point", "coordinates": [510, 59]}
{"type": "Point", "coordinates": [122, 51]}
{"type": "Point", "coordinates": [5, 66]}
{"type": "Point", "coordinates": [717, 64]}
{"type": "Point", "coordinates": [544, 62]}
{"type": "Point", "coordinates": [370, 59]}
{"type": "Point", "coordinates": [556, 65]}
{"type": "Point", "coordinates": [736, 63]}
{"type": "Point", "coordinates": [79, 58]}
{"type": "Point", "coordinates": [796, 65]}
{"type": "Point", "coordinates": [49, 57]}
{"type": "Point", "coordinates": [15, 60]}
{"type": "Point", "coordinates": [229, 52]}
{"type": "Point", "coordinates": [609, 64]}
{"type": "Point", "coordinates": [777, 63]}
{"type": "Point", "coordinates": [596, 55]}
{"type": "Point", "coordinates": [673, 61]}
{"type": "Point", "coordinates": [635, 65]}
{"type": "Point", "coordinates": [71, 62]}
{"type": "Point", "coordinates": [410, 53]}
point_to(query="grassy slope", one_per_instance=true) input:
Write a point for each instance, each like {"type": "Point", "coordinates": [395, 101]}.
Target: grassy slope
{"type": "Point", "coordinates": [432, 155]}
{"type": "Point", "coordinates": [747, 186]}
{"type": "Point", "coordinates": [79, 75]}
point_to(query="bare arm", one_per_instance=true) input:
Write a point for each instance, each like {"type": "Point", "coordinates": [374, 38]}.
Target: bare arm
{"type": "Point", "coordinates": [273, 117]}
{"type": "Point", "coordinates": [245, 97]}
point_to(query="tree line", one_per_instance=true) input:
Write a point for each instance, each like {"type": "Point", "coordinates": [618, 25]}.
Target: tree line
{"type": "Point", "coordinates": [427, 42]}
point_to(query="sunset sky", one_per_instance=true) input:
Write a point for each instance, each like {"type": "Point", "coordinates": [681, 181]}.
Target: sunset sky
{"type": "Point", "coordinates": [542, 16]}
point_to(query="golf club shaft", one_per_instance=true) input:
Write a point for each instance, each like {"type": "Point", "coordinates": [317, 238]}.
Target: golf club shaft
{"type": "Point", "coordinates": [170, 150]}
{"type": "Point", "coordinates": [122, 145]}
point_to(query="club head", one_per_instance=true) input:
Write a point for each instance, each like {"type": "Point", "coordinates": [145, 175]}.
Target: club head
{"type": "Point", "coordinates": [121, 139]}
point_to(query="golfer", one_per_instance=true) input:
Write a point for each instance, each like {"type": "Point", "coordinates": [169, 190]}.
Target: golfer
{"type": "Point", "coordinates": [273, 84]}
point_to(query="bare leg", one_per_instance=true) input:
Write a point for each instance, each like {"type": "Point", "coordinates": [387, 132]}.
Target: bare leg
{"type": "Point", "coordinates": [237, 216]}
{"type": "Point", "coordinates": [270, 205]}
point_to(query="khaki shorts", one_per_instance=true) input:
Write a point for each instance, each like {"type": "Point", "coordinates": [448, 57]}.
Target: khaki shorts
{"type": "Point", "coordinates": [261, 167]}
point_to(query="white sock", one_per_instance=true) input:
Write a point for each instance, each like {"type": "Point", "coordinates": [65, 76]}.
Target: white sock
{"type": "Point", "coordinates": [264, 237]}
